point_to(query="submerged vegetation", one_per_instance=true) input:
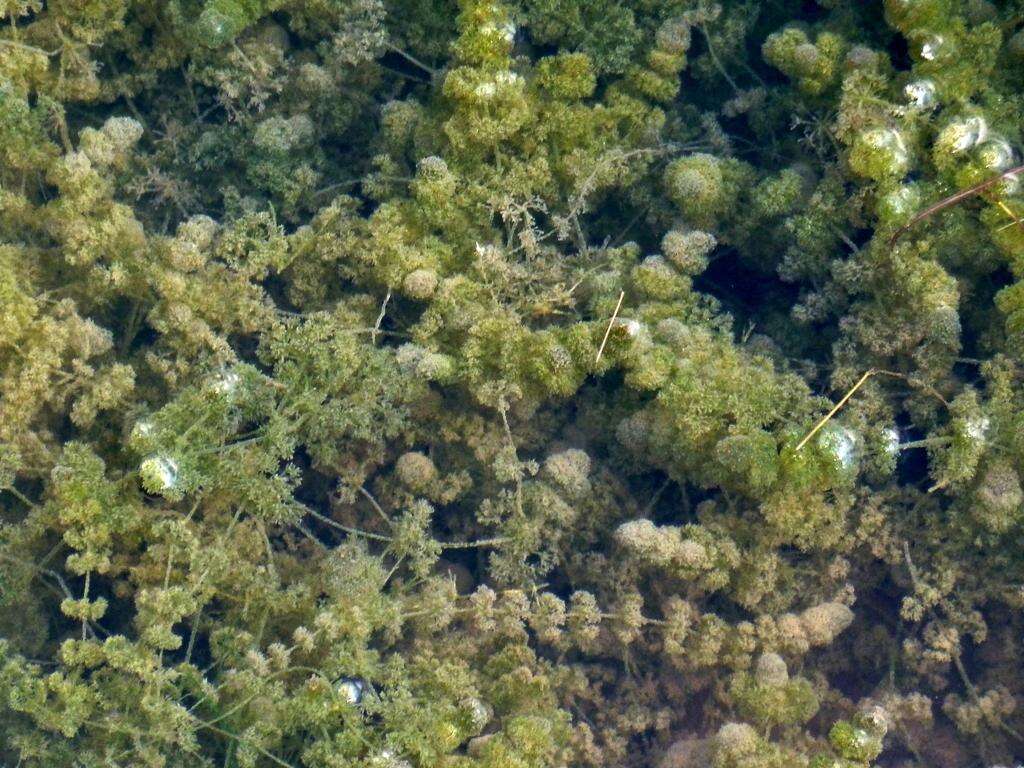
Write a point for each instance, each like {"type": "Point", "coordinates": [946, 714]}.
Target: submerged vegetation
{"type": "Point", "coordinates": [415, 384]}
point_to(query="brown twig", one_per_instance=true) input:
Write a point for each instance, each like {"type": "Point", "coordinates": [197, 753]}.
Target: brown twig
{"type": "Point", "coordinates": [912, 382]}
{"type": "Point", "coordinates": [953, 199]}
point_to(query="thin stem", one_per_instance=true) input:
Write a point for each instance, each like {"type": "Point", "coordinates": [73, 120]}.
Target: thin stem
{"type": "Point", "coordinates": [85, 596]}
{"type": "Point", "coordinates": [915, 383]}
{"type": "Point", "coordinates": [399, 73]}
{"type": "Point", "coordinates": [1011, 214]}
{"type": "Point", "coordinates": [345, 528]}
{"type": "Point", "coordinates": [608, 330]}
{"type": "Point", "coordinates": [972, 692]}
{"type": "Point", "coordinates": [925, 443]}
{"type": "Point", "coordinates": [16, 44]}
{"type": "Point", "coordinates": [376, 507]}
{"type": "Point", "coordinates": [495, 542]}
{"type": "Point", "coordinates": [20, 497]}
{"type": "Point", "coordinates": [380, 318]}
{"type": "Point", "coordinates": [411, 59]}
{"type": "Point", "coordinates": [64, 589]}
{"type": "Point", "coordinates": [305, 532]}
{"type": "Point", "coordinates": [654, 499]}
{"type": "Point", "coordinates": [503, 410]}
{"type": "Point", "coordinates": [192, 635]}
{"type": "Point", "coordinates": [825, 419]}
{"type": "Point", "coordinates": [254, 745]}
{"type": "Point", "coordinates": [716, 61]}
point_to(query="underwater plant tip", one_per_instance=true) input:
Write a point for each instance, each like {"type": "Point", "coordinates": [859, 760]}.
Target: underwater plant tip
{"type": "Point", "coordinates": [608, 330]}
{"type": "Point", "coordinates": [1016, 219]}
{"type": "Point", "coordinates": [825, 419]}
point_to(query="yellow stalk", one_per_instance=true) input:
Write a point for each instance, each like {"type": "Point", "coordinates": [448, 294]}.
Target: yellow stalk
{"type": "Point", "coordinates": [611, 322]}
{"type": "Point", "coordinates": [825, 419]}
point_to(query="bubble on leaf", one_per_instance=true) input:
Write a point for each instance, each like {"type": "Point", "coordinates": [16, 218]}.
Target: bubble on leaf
{"type": "Point", "coordinates": [861, 56]}
{"type": "Point", "coordinates": [996, 154]}
{"type": "Point", "coordinates": [424, 363]}
{"type": "Point", "coordinates": [634, 431]}
{"type": "Point", "coordinates": [489, 89]}
{"type": "Point", "coordinates": [226, 382]}
{"type": "Point", "coordinates": [900, 203]}
{"type": "Point", "coordinates": [214, 28]}
{"type": "Point", "coordinates": [569, 470]}
{"type": "Point", "coordinates": [479, 713]}
{"type": "Point", "coordinates": [861, 738]}
{"type": "Point", "coordinates": [880, 153]}
{"type": "Point", "coordinates": [351, 688]}
{"type": "Point", "coordinates": [823, 623]}
{"type": "Point", "coordinates": [962, 135]}
{"type": "Point", "coordinates": [877, 720]}
{"type": "Point", "coordinates": [506, 31]}
{"type": "Point", "coordinates": [771, 670]}
{"type": "Point", "coordinates": [673, 36]}
{"type": "Point", "coordinates": [1001, 497]}
{"type": "Point", "coordinates": [387, 758]}
{"type": "Point", "coordinates": [932, 47]}
{"type": "Point", "coordinates": [630, 326]}
{"type": "Point", "coordinates": [123, 132]}
{"type": "Point", "coordinates": [920, 94]}
{"type": "Point", "coordinates": [807, 55]}
{"type": "Point", "coordinates": [891, 441]}
{"type": "Point", "coordinates": [688, 251]}
{"type": "Point", "coordinates": [977, 428]}
{"type": "Point", "coordinates": [736, 737]}
{"type": "Point", "coordinates": [420, 284]}
{"type": "Point", "coordinates": [159, 473]}
{"type": "Point", "coordinates": [887, 139]}
{"type": "Point", "coordinates": [415, 470]}
{"type": "Point", "coordinates": [506, 78]}
{"type": "Point", "coordinates": [432, 167]}
{"type": "Point", "coordinates": [843, 443]}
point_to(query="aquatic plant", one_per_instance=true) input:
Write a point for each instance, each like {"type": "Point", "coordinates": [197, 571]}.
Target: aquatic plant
{"type": "Point", "coordinates": [521, 384]}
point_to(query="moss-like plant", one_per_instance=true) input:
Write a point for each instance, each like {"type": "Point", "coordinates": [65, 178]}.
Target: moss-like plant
{"type": "Point", "coordinates": [510, 383]}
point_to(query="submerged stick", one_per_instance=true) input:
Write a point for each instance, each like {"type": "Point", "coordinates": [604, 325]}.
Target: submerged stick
{"type": "Point", "coordinates": [953, 199]}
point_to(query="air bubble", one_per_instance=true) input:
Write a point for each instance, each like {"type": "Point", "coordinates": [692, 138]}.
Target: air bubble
{"type": "Point", "coordinates": [920, 94]}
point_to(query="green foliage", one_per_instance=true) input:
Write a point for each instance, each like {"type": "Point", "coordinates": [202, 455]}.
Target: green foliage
{"type": "Point", "coordinates": [768, 697]}
{"type": "Point", "coordinates": [406, 384]}
{"type": "Point", "coordinates": [221, 21]}
{"type": "Point", "coordinates": [814, 65]}
{"type": "Point", "coordinates": [858, 742]}
{"type": "Point", "coordinates": [704, 187]}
